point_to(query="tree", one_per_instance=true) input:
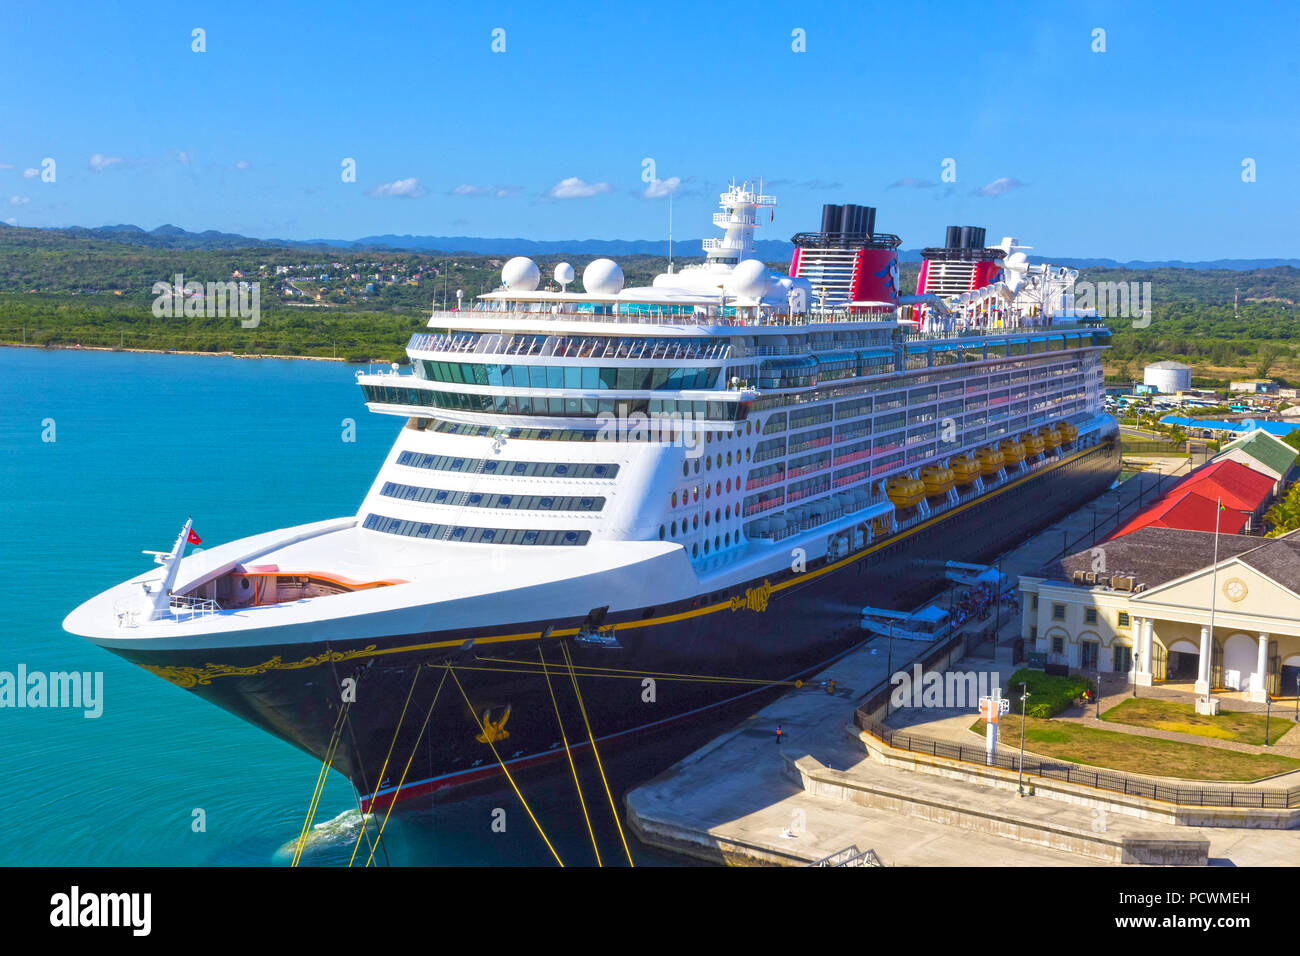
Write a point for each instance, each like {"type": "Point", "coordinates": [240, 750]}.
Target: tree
{"type": "Point", "coordinates": [1267, 358]}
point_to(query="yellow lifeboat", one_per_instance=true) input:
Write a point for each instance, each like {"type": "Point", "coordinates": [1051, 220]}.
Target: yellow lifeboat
{"type": "Point", "coordinates": [1034, 444]}
{"type": "Point", "coordinates": [1050, 437]}
{"type": "Point", "coordinates": [990, 460]}
{"type": "Point", "coordinates": [1067, 432]}
{"type": "Point", "coordinates": [937, 479]}
{"type": "Point", "coordinates": [964, 468]}
{"type": "Point", "coordinates": [1013, 451]}
{"type": "Point", "coordinates": [905, 492]}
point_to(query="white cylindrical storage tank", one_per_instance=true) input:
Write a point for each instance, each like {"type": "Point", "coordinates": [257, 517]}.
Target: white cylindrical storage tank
{"type": "Point", "coordinates": [1167, 377]}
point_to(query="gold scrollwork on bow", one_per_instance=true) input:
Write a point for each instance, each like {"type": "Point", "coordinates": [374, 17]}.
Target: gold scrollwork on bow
{"type": "Point", "coordinates": [194, 676]}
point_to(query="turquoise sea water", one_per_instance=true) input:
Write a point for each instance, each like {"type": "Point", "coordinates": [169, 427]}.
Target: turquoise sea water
{"type": "Point", "coordinates": [142, 441]}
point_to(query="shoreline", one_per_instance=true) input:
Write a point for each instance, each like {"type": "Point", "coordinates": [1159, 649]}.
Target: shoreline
{"type": "Point", "coordinates": [113, 348]}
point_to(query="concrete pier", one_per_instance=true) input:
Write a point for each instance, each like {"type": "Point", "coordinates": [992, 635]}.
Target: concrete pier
{"type": "Point", "coordinates": [748, 799]}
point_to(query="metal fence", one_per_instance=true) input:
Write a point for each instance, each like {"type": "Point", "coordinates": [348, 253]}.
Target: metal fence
{"type": "Point", "coordinates": [1181, 795]}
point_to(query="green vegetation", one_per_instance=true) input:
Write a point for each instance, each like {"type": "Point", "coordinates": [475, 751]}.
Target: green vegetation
{"type": "Point", "coordinates": [1116, 750]}
{"type": "Point", "coordinates": [61, 290]}
{"type": "Point", "coordinates": [1246, 728]}
{"type": "Point", "coordinates": [1049, 694]}
{"type": "Point", "coordinates": [1284, 516]}
{"type": "Point", "coordinates": [1193, 321]}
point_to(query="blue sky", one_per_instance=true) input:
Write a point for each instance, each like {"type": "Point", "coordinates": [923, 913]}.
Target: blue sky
{"type": "Point", "coordinates": [1132, 153]}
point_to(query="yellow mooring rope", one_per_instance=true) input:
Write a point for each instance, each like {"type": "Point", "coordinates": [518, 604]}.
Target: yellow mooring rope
{"type": "Point", "coordinates": [330, 749]}
{"type": "Point", "coordinates": [596, 753]}
{"type": "Point", "coordinates": [568, 753]}
{"type": "Point", "coordinates": [400, 783]}
{"type": "Point", "coordinates": [504, 768]}
{"type": "Point", "coordinates": [379, 782]}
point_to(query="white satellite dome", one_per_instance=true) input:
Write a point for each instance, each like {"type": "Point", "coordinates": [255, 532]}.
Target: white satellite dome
{"type": "Point", "coordinates": [749, 279]}
{"type": "Point", "coordinates": [602, 277]}
{"type": "Point", "coordinates": [563, 273]}
{"type": "Point", "coordinates": [520, 274]}
{"type": "Point", "coordinates": [1017, 262]}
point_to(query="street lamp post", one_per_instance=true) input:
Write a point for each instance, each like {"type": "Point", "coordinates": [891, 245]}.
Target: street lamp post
{"type": "Point", "coordinates": [1134, 673]}
{"type": "Point", "coordinates": [1024, 696]}
{"type": "Point", "coordinates": [1297, 698]}
{"type": "Point", "coordinates": [889, 663]}
{"type": "Point", "coordinates": [1268, 713]}
{"type": "Point", "coordinates": [1099, 686]}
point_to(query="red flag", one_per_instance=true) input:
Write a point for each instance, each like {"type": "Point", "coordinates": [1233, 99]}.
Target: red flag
{"type": "Point", "coordinates": [194, 538]}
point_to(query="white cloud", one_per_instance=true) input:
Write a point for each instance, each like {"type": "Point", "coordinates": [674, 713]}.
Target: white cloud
{"type": "Point", "coordinates": [243, 164]}
{"type": "Point", "coordinates": [1003, 184]}
{"type": "Point", "coordinates": [662, 187]}
{"type": "Point", "coordinates": [6, 165]}
{"type": "Point", "coordinates": [12, 221]}
{"type": "Point", "coordinates": [575, 188]}
{"type": "Point", "coordinates": [183, 158]}
{"type": "Point", "coordinates": [497, 192]}
{"type": "Point", "coordinates": [402, 188]}
{"type": "Point", "coordinates": [98, 161]}
{"type": "Point", "coordinates": [31, 173]}
{"type": "Point", "coordinates": [912, 182]}
{"type": "Point", "coordinates": [19, 200]}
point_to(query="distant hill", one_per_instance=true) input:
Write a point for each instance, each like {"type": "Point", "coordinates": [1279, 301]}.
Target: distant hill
{"type": "Point", "coordinates": [769, 250]}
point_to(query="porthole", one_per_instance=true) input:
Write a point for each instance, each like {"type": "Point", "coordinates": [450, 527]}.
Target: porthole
{"type": "Point", "coordinates": [717, 514]}
{"type": "Point", "coordinates": [674, 499]}
{"type": "Point", "coordinates": [674, 529]}
{"type": "Point", "coordinates": [695, 521]}
{"type": "Point", "coordinates": [686, 468]}
{"type": "Point", "coordinates": [718, 490]}
{"type": "Point", "coordinates": [707, 490]}
{"type": "Point", "coordinates": [728, 486]}
{"type": "Point", "coordinates": [661, 532]}
{"type": "Point", "coordinates": [708, 464]}
{"type": "Point", "coordinates": [695, 550]}
{"type": "Point", "coordinates": [706, 547]}
{"type": "Point", "coordinates": [706, 519]}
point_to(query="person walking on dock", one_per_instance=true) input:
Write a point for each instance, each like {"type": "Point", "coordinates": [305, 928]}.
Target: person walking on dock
{"type": "Point", "coordinates": [778, 734]}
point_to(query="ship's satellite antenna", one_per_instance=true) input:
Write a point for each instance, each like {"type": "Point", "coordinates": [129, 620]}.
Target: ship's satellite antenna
{"type": "Point", "coordinates": [459, 293]}
{"type": "Point", "coordinates": [563, 275]}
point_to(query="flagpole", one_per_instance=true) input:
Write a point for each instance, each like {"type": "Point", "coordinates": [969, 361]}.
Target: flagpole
{"type": "Point", "coordinates": [1214, 588]}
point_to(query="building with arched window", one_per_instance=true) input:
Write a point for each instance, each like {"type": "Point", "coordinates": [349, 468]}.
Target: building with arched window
{"type": "Point", "coordinates": [1156, 606]}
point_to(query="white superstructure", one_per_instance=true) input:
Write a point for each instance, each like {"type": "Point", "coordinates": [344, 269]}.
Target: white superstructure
{"type": "Point", "coordinates": [680, 430]}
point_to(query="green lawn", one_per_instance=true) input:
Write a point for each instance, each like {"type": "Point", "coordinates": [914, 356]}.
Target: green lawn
{"type": "Point", "coordinates": [1246, 728]}
{"type": "Point", "coordinates": [1115, 750]}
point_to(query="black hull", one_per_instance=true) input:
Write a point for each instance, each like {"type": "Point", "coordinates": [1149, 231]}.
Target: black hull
{"type": "Point", "coordinates": [775, 629]}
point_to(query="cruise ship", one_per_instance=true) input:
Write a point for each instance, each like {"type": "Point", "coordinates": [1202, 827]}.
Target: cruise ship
{"type": "Point", "coordinates": [658, 501]}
